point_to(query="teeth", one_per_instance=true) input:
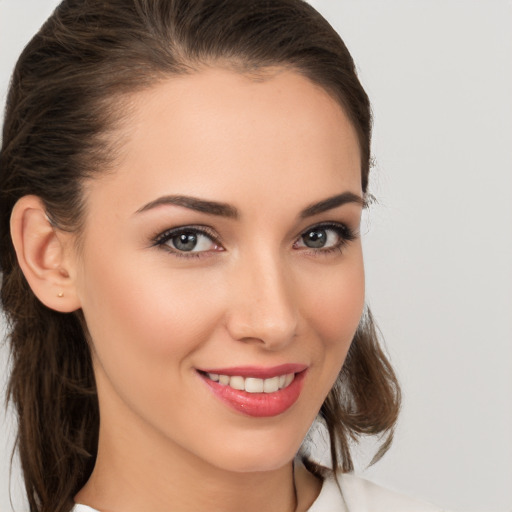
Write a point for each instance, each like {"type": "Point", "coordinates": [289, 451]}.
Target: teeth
{"type": "Point", "coordinates": [252, 384]}
{"type": "Point", "coordinates": [271, 385]}
{"type": "Point", "coordinates": [288, 379]}
{"type": "Point", "coordinates": [224, 380]}
{"type": "Point", "coordinates": [237, 383]}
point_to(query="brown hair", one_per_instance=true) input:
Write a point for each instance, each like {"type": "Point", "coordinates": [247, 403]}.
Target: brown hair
{"type": "Point", "coordinates": [61, 104]}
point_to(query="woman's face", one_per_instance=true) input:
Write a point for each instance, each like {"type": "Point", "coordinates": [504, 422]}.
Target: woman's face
{"type": "Point", "coordinates": [225, 242]}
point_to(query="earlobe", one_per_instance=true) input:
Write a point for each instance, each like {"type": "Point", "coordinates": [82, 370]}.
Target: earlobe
{"type": "Point", "coordinates": [43, 255]}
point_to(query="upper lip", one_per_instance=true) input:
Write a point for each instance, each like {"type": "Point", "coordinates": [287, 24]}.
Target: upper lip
{"type": "Point", "coordinates": [257, 371]}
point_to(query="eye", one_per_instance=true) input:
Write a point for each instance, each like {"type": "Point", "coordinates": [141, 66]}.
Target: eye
{"type": "Point", "coordinates": [325, 237]}
{"type": "Point", "coordinates": [189, 240]}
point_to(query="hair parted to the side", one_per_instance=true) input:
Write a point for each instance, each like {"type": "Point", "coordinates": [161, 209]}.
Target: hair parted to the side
{"type": "Point", "coordinates": [65, 97]}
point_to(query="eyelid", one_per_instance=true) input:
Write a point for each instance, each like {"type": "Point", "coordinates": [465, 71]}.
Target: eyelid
{"type": "Point", "coordinates": [346, 234]}
{"type": "Point", "coordinates": [164, 236]}
{"type": "Point", "coordinates": [337, 226]}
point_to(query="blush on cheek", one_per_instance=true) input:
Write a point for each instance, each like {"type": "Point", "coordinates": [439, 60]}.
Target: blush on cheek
{"type": "Point", "coordinates": [337, 309]}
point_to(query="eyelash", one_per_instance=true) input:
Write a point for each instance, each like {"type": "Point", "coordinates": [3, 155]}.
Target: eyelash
{"type": "Point", "coordinates": [162, 239]}
{"type": "Point", "coordinates": [344, 233]}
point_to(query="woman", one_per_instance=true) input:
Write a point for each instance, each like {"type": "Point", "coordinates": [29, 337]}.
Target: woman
{"type": "Point", "coordinates": [182, 185]}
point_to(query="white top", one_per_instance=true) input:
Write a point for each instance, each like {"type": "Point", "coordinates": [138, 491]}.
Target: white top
{"type": "Point", "coordinates": [360, 495]}
{"type": "Point", "coordinates": [357, 495]}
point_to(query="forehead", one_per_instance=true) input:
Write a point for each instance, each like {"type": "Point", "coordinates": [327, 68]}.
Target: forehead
{"type": "Point", "coordinates": [224, 135]}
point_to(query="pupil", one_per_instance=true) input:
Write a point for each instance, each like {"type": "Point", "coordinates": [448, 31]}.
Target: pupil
{"type": "Point", "coordinates": [315, 239]}
{"type": "Point", "coordinates": [185, 241]}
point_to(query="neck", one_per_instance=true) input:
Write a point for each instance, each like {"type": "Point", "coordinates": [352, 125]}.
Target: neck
{"type": "Point", "coordinates": [130, 488]}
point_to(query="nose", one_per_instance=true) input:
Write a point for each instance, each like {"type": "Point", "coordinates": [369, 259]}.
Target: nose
{"type": "Point", "coordinates": [263, 307]}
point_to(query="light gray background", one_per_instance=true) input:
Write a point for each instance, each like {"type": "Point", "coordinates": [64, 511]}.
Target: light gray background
{"type": "Point", "coordinates": [438, 245]}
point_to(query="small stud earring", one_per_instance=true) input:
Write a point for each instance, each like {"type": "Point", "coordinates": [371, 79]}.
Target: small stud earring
{"type": "Point", "coordinates": [60, 294]}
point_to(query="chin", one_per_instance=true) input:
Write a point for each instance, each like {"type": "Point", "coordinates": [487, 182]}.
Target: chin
{"type": "Point", "coordinates": [256, 453]}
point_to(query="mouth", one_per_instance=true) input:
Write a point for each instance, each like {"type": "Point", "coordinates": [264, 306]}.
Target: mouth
{"type": "Point", "coordinates": [253, 384]}
{"type": "Point", "coordinates": [257, 392]}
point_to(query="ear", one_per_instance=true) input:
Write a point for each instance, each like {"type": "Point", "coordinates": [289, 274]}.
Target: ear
{"type": "Point", "coordinates": [44, 255]}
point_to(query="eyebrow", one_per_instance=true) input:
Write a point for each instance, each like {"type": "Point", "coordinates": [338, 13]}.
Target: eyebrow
{"type": "Point", "coordinates": [229, 211]}
{"type": "Point", "coordinates": [332, 202]}
{"type": "Point", "coordinates": [193, 203]}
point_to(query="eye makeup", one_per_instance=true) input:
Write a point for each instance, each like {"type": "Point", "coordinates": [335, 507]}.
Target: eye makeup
{"type": "Point", "coordinates": [195, 241]}
{"type": "Point", "coordinates": [189, 241]}
{"type": "Point", "coordinates": [325, 238]}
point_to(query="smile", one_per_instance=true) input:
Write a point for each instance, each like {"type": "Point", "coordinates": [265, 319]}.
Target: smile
{"type": "Point", "coordinates": [253, 384]}
{"type": "Point", "coordinates": [257, 392]}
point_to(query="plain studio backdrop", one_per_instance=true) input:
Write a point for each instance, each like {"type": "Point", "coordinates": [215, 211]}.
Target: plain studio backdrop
{"type": "Point", "coordinates": [438, 245]}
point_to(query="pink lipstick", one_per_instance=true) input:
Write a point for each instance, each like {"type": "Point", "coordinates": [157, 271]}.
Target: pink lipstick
{"type": "Point", "coordinates": [256, 391]}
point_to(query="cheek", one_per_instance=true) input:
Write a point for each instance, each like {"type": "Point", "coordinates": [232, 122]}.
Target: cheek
{"type": "Point", "coordinates": [333, 313]}
{"type": "Point", "coordinates": [143, 313]}
{"type": "Point", "coordinates": [145, 324]}
{"type": "Point", "coordinates": [337, 305]}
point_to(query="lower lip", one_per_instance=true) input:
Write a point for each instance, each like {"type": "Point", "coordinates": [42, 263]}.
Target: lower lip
{"type": "Point", "coordinates": [260, 405]}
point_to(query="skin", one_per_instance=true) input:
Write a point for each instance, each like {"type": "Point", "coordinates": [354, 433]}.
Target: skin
{"type": "Point", "coordinates": [256, 296]}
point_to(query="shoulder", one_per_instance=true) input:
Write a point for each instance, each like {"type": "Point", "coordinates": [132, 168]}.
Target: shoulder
{"type": "Point", "coordinates": [350, 493]}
